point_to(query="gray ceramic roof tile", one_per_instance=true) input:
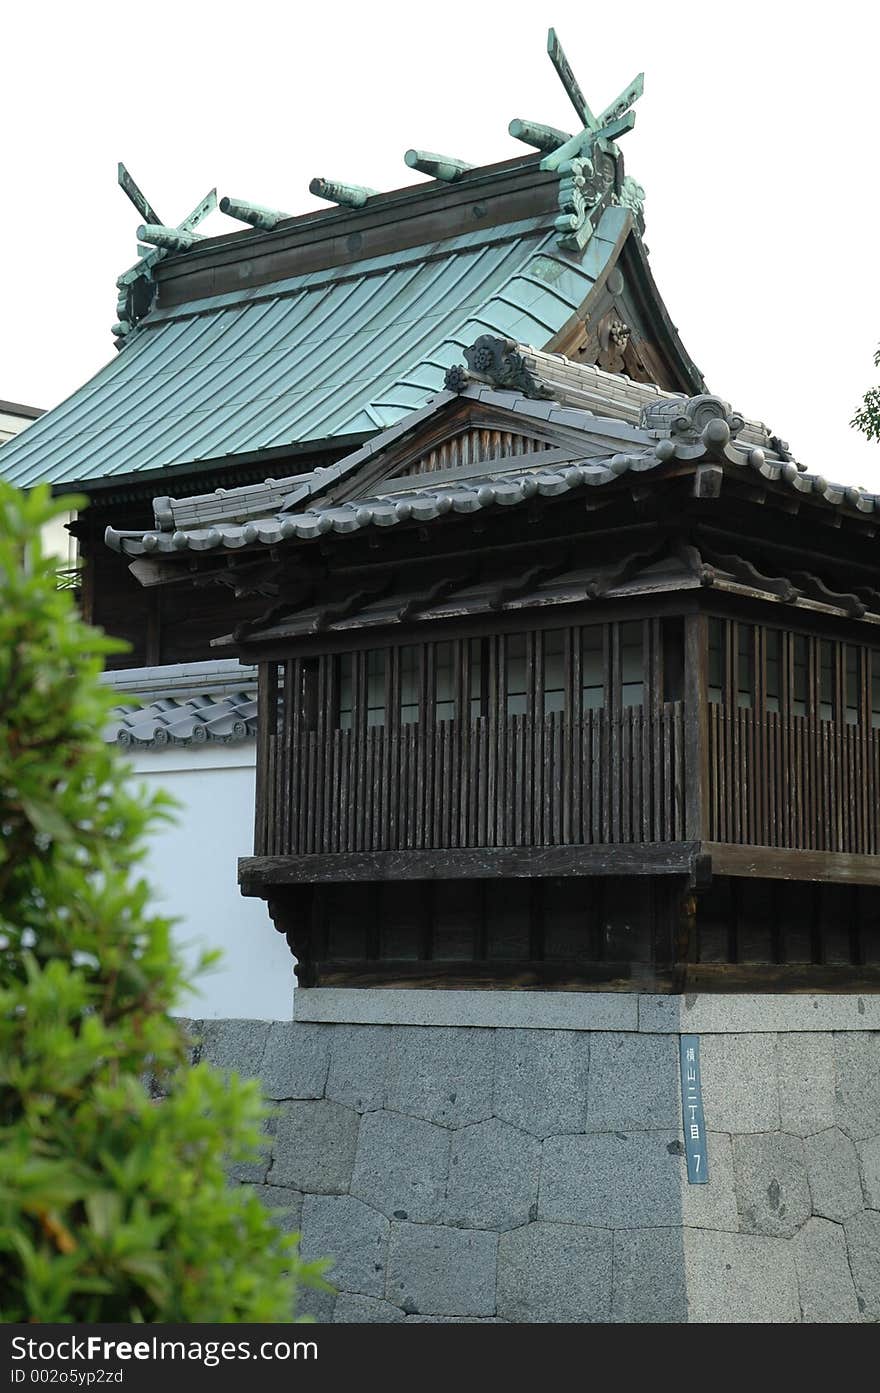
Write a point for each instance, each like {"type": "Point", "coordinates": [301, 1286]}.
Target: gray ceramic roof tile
{"type": "Point", "coordinates": [195, 720]}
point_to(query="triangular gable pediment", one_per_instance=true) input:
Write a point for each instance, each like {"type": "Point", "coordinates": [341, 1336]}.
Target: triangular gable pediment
{"type": "Point", "coordinates": [484, 432]}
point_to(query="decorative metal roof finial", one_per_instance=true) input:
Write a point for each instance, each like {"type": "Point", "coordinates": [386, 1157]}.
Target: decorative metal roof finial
{"type": "Point", "coordinates": [587, 162]}
{"type": "Point", "coordinates": [135, 286]}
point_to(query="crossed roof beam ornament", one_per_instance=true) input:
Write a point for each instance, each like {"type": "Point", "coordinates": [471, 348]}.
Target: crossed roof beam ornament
{"type": "Point", "coordinates": [161, 238]}
{"type": "Point", "coordinates": [586, 161]}
{"type": "Point", "coordinates": [613, 122]}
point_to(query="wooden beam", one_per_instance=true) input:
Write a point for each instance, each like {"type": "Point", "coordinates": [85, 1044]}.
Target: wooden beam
{"type": "Point", "coordinates": [781, 977]}
{"type": "Point", "coordinates": [774, 863]}
{"type": "Point", "coordinates": [257, 874]}
{"type": "Point", "coordinates": [523, 975]}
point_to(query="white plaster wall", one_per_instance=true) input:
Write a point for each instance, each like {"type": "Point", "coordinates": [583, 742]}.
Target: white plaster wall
{"type": "Point", "coordinates": [192, 868]}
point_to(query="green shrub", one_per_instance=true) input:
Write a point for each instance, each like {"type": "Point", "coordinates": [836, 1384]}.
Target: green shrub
{"type": "Point", "coordinates": [113, 1206]}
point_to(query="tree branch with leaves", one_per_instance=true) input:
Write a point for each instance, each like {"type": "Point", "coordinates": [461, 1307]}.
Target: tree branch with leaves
{"type": "Point", "coordinates": [867, 418]}
{"type": "Point", "coordinates": [115, 1152]}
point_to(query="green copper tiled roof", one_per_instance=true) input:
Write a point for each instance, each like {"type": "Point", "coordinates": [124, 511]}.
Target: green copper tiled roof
{"type": "Point", "coordinates": [330, 354]}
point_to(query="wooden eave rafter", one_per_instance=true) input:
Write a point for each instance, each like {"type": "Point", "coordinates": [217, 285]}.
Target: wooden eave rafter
{"type": "Point", "coordinates": [532, 587]}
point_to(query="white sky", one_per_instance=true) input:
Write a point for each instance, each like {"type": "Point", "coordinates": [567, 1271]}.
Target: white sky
{"type": "Point", "coordinates": [756, 141]}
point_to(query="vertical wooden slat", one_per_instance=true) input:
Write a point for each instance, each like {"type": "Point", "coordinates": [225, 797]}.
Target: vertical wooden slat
{"type": "Point", "coordinates": [572, 772]}
{"type": "Point", "coordinates": [696, 697]}
{"type": "Point", "coordinates": [494, 653]}
{"type": "Point", "coordinates": [266, 699]}
{"type": "Point", "coordinates": [626, 772]}
{"type": "Point", "coordinates": [531, 799]}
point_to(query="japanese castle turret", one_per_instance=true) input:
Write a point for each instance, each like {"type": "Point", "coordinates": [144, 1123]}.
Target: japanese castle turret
{"type": "Point", "coordinates": [561, 677]}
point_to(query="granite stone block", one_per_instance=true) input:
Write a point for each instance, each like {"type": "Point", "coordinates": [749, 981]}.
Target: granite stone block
{"type": "Point", "coordinates": [352, 1235]}
{"type": "Point", "coordinates": [869, 1169]}
{"type": "Point", "coordinates": [740, 1092]}
{"type": "Point", "coordinates": [712, 1206]}
{"type": "Point", "coordinates": [285, 1205]}
{"type": "Point", "coordinates": [254, 1172]}
{"type": "Point", "coordinates": [633, 1082]}
{"type": "Point", "coordinates": [365, 1310]}
{"type": "Point", "coordinates": [317, 1303]}
{"type": "Point", "coordinates": [493, 1177]}
{"type": "Point", "coordinates": [612, 1180]}
{"type": "Point", "coordinates": [747, 1013]}
{"type": "Point", "coordinates": [659, 1015]}
{"type": "Point", "coordinates": [855, 1012]}
{"type": "Point", "coordinates": [833, 1173]}
{"type": "Point", "coordinates": [235, 1045]}
{"type": "Point", "coordinates": [296, 1061]}
{"type": "Point", "coordinates": [857, 1094]}
{"type": "Point", "coordinates": [442, 1271]}
{"type": "Point", "coordinates": [863, 1245]}
{"type": "Point", "coordinates": [711, 1013]}
{"type": "Point", "coordinates": [740, 1278]}
{"type": "Point", "coordinates": [401, 1166]}
{"type": "Point", "coordinates": [825, 1282]}
{"type": "Point", "coordinates": [805, 1066]}
{"type": "Point", "coordinates": [491, 1010]}
{"type": "Point", "coordinates": [648, 1281]}
{"type": "Point", "coordinates": [442, 1075]}
{"type": "Point", "coordinates": [552, 1273]}
{"type": "Point", "coordinates": [772, 1191]}
{"type": "Point", "coordinates": [361, 1059]}
{"type": "Point", "coordinates": [314, 1147]}
{"type": "Point", "coordinates": [541, 1080]}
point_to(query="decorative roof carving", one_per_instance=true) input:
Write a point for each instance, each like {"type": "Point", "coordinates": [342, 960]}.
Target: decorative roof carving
{"type": "Point", "coordinates": [500, 363]}
{"type": "Point", "coordinates": [693, 420]}
{"type": "Point", "coordinates": [632, 196]}
{"type": "Point", "coordinates": [589, 166]}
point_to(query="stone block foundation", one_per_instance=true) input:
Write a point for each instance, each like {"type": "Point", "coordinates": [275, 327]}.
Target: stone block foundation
{"type": "Point", "coordinates": [519, 1157]}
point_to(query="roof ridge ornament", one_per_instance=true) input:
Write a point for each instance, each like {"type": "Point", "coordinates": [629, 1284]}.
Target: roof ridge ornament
{"type": "Point", "coordinates": [253, 213]}
{"type": "Point", "coordinates": [499, 363]}
{"type": "Point", "coordinates": [346, 195]}
{"type": "Point", "coordinates": [685, 419]}
{"type": "Point", "coordinates": [443, 167]}
{"type": "Point", "coordinates": [700, 428]}
{"type": "Point", "coordinates": [136, 286]}
{"type": "Point", "coordinates": [591, 174]}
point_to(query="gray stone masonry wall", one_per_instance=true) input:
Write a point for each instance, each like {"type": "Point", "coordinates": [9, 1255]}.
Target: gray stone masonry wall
{"type": "Point", "coordinates": [485, 1174]}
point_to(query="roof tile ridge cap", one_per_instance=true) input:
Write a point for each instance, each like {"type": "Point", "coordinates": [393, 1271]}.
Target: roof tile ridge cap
{"type": "Point", "coordinates": [544, 363]}
{"type": "Point", "coordinates": [177, 681]}
{"type": "Point", "coordinates": [163, 506]}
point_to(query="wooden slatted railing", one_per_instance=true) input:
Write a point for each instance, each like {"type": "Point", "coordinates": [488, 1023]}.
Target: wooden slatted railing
{"type": "Point", "coordinates": [793, 781]}
{"type": "Point", "coordinates": [585, 779]}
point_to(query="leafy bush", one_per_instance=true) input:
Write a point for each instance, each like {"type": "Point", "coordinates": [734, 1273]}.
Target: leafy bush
{"type": "Point", "coordinates": [114, 1206]}
{"type": "Point", "coordinates": [867, 418]}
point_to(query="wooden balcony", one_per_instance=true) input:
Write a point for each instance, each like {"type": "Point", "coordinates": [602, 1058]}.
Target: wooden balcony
{"type": "Point", "coordinates": [647, 747]}
{"type": "Point", "coordinates": [585, 779]}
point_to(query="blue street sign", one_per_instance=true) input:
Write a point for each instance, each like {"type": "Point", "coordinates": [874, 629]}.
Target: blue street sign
{"type": "Point", "coordinates": [692, 1111]}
